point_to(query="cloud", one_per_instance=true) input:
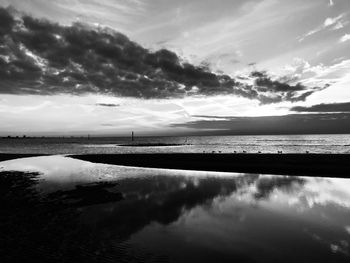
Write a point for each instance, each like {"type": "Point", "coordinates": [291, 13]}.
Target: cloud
{"type": "Point", "coordinates": [331, 3]}
{"type": "Point", "coordinates": [107, 105]}
{"type": "Point", "coordinates": [344, 38]}
{"type": "Point", "coordinates": [331, 23]}
{"type": "Point", "coordinates": [272, 91]}
{"type": "Point", "coordinates": [330, 107]}
{"type": "Point", "coordinates": [319, 74]}
{"type": "Point", "coordinates": [332, 20]}
{"type": "Point", "coordinates": [41, 57]}
{"type": "Point", "coordinates": [337, 123]}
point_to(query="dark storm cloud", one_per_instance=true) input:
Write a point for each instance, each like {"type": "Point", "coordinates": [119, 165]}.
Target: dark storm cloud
{"type": "Point", "coordinates": [264, 82]}
{"type": "Point", "coordinates": [282, 89]}
{"type": "Point", "coordinates": [41, 57]}
{"type": "Point", "coordinates": [330, 107]}
{"type": "Point", "coordinates": [336, 123]}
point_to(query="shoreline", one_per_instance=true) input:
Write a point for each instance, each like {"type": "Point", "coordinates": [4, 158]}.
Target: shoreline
{"type": "Point", "coordinates": [12, 156]}
{"type": "Point", "coordinates": [316, 165]}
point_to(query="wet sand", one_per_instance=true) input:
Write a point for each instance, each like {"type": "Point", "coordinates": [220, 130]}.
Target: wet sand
{"type": "Point", "coordinates": [322, 165]}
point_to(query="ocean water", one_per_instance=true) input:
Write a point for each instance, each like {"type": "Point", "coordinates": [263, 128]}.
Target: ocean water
{"type": "Point", "coordinates": [194, 144]}
{"type": "Point", "coordinates": [172, 215]}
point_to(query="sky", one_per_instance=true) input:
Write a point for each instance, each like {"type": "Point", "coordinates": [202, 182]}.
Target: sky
{"type": "Point", "coordinates": [166, 67]}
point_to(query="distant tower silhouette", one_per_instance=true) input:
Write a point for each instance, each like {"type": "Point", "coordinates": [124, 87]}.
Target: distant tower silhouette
{"type": "Point", "coordinates": [132, 136]}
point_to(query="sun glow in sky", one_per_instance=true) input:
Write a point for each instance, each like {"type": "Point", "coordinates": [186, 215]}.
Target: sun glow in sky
{"type": "Point", "coordinates": [275, 55]}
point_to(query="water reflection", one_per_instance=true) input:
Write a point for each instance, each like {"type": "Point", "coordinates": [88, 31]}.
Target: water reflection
{"type": "Point", "coordinates": [267, 185]}
{"type": "Point", "coordinates": [179, 216]}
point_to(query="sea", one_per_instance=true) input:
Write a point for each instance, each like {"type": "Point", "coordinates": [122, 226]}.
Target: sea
{"type": "Point", "coordinates": [325, 143]}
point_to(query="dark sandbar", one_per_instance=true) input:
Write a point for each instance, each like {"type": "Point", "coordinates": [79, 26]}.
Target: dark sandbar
{"type": "Point", "coordinates": [322, 165]}
{"type": "Point", "coordinates": [152, 144]}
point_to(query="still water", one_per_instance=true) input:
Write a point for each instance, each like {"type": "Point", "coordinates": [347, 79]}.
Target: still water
{"type": "Point", "coordinates": [188, 216]}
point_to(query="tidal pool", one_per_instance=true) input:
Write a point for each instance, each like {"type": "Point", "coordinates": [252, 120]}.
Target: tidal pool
{"type": "Point", "coordinates": [79, 210]}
